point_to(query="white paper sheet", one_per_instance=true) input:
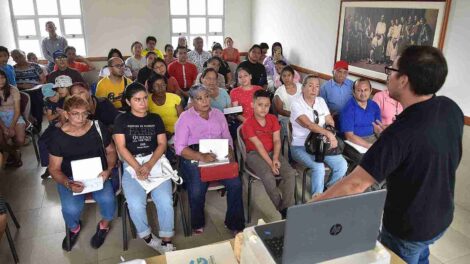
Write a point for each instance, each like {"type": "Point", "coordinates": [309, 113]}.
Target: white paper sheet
{"type": "Point", "coordinates": [87, 171]}
{"type": "Point", "coordinates": [155, 177]}
{"type": "Point", "coordinates": [361, 149]}
{"type": "Point", "coordinates": [220, 253]}
{"type": "Point", "coordinates": [217, 146]}
{"type": "Point", "coordinates": [233, 110]}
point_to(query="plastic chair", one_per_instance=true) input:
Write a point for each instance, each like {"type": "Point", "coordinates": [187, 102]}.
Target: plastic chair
{"type": "Point", "coordinates": [31, 130]}
{"type": "Point", "coordinates": [8, 234]}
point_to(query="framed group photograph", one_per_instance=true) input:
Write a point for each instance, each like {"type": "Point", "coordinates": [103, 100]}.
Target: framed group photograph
{"type": "Point", "coordinates": [371, 34]}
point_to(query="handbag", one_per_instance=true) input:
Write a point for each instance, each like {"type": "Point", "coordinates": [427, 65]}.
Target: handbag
{"type": "Point", "coordinates": [219, 172]}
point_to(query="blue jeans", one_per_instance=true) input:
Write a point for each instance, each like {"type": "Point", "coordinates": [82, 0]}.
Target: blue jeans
{"type": "Point", "coordinates": [136, 197]}
{"type": "Point", "coordinates": [337, 164]}
{"type": "Point", "coordinates": [72, 206]}
{"type": "Point", "coordinates": [412, 252]}
{"type": "Point", "coordinates": [234, 217]}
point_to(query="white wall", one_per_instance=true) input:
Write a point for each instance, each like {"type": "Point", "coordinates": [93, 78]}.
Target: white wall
{"type": "Point", "coordinates": [118, 23]}
{"type": "Point", "coordinates": [307, 30]}
{"type": "Point", "coordinates": [7, 38]}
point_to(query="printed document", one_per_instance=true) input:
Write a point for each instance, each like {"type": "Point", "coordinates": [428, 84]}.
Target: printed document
{"type": "Point", "coordinates": [87, 171]}
{"type": "Point", "coordinates": [217, 146]}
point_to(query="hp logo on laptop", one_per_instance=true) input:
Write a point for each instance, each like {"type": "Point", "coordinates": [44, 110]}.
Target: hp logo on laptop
{"type": "Point", "coordinates": [336, 229]}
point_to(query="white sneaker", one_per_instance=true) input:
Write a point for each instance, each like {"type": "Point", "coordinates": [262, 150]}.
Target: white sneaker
{"type": "Point", "coordinates": [156, 244]}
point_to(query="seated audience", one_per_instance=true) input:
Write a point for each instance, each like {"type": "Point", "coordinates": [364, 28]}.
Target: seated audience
{"type": "Point", "coordinates": [167, 105]}
{"type": "Point", "coordinates": [309, 113]}
{"type": "Point", "coordinates": [138, 133]}
{"type": "Point", "coordinates": [203, 122]}
{"type": "Point", "coordinates": [213, 63]}
{"type": "Point", "coordinates": [261, 133]}
{"type": "Point", "coordinates": [114, 53]}
{"type": "Point", "coordinates": [198, 56]}
{"type": "Point", "coordinates": [63, 69]}
{"type": "Point", "coordinates": [264, 50]}
{"type": "Point", "coordinates": [284, 95]}
{"type": "Point", "coordinates": [279, 65]}
{"type": "Point", "coordinates": [29, 75]}
{"type": "Point", "coordinates": [54, 97]}
{"type": "Point", "coordinates": [75, 62]}
{"type": "Point", "coordinates": [243, 95]}
{"type": "Point", "coordinates": [168, 57]}
{"type": "Point", "coordinates": [136, 61]}
{"type": "Point", "coordinates": [113, 86]}
{"type": "Point", "coordinates": [183, 70]}
{"type": "Point", "coordinates": [151, 43]}
{"type": "Point", "coordinates": [218, 96]}
{"type": "Point", "coordinates": [337, 91]}
{"type": "Point", "coordinates": [9, 70]}
{"type": "Point", "coordinates": [224, 68]}
{"type": "Point", "coordinates": [78, 139]}
{"type": "Point", "coordinates": [144, 72]}
{"type": "Point", "coordinates": [31, 57]}
{"type": "Point", "coordinates": [159, 67]}
{"type": "Point", "coordinates": [12, 124]}
{"type": "Point", "coordinates": [256, 69]}
{"type": "Point", "coordinates": [357, 119]}
{"type": "Point", "coordinates": [389, 107]}
{"type": "Point", "coordinates": [230, 53]}
{"type": "Point", "coordinates": [276, 55]}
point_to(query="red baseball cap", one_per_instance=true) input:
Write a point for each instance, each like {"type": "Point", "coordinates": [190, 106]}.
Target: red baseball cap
{"type": "Point", "coordinates": [341, 65]}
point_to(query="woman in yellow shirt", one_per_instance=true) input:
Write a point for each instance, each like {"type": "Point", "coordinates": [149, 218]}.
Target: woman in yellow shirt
{"type": "Point", "coordinates": [167, 105]}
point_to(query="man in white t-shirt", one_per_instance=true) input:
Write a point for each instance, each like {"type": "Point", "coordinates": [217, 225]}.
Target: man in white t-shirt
{"type": "Point", "coordinates": [309, 113]}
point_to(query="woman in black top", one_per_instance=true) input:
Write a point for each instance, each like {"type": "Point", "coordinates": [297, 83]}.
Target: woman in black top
{"type": "Point", "coordinates": [141, 141]}
{"type": "Point", "coordinates": [77, 139]}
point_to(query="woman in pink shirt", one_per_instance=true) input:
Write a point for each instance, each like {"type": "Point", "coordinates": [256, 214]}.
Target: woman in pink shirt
{"type": "Point", "coordinates": [243, 95]}
{"type": "Point", "coordinates": [389, 107]}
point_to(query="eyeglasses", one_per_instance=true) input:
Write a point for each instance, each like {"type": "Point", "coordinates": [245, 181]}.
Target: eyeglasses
{"type": "Point", "coordinates": [119, 65]}
{"type": "Point", "coordinates": [78, 114]}
{"type": "Point", "coordinates": [389, 70]}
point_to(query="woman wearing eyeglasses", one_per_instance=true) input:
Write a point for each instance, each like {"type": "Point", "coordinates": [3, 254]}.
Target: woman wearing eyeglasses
{"type": "Point", "coordinates": [78, 139]}
{"type": "Point", "coordinates": [309, 113]}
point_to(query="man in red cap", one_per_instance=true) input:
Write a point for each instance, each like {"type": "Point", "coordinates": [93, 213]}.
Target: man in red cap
{"type": "Point", "coordinates": [338, 90]}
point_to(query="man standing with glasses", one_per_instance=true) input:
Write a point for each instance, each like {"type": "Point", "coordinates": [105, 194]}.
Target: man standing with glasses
{"type": "Point", "coordinates": [51, 44]}
{"type": "Point", "coordinates": [418, 155]}
{"type": "Point", "coordinates": [63, 69]}
{"type": "Point", "coordinates": [113, 86]}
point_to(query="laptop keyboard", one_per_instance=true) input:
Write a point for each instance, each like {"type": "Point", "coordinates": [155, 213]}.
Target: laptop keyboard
{"type": "Point", "coordinates": [275, 245]}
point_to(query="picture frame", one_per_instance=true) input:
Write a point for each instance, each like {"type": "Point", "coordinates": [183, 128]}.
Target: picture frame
{"type": "Point", "coordinates": [371, 34]}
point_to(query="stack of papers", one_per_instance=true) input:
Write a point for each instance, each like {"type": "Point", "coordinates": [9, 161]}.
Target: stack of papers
{"type": "Point", "coordinates": [217, 146]}
{"type": "Point", "coordinates": [220, 253]}
{"type": "Point", "coordinates": [87, 172]}
{"type": "Point", "coordinates": [233, 110]}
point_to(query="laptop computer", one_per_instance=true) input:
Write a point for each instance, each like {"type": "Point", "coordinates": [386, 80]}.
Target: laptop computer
{"type": "Point", "coordinates": [325, 230]}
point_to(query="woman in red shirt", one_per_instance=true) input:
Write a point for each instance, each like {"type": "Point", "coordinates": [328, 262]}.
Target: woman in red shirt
{"type": "Point", "coordinates": [230, 53]}
{"type": "Point", "coordinates": [243, 95]}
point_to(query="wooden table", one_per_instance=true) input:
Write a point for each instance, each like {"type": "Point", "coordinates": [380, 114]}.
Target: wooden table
{"type": "Point", "coordinates": [162, 260]}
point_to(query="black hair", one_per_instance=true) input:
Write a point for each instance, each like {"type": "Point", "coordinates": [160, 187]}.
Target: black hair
{"type": "Point", "coordinates": [426, 68]}
{"type": "Point", "coordinates": [215, 58]}
{"type": "Point", "coordinates": [216, 46]}
{"type": "Point", "coordinates": [281, 62]}
{"type": "Point", "coordinates": [181, 47]}
{"type": "Point", "coordinates": [243, 69]}
{"type": "Point", "coordinates": [6, 87]}
{"type": "Point", "coordinates": [158, 59]}
{"type": "Point", "coordinates": [264, 45]}
{"type": "Point", "coordinates": [4, 49]}
{"type": "Point", "coordinates": [153, 78]}
{"type": "Point", "coordinates": [255, 46]}
{"type": "Point", "coordinates": [168, 46]}
{"type": "Point", "coordinates": [262, 93]}
{"type": "Point", "coordinates": [206, 71]}
{"type": "Point", "coordinates": [113, 50]}
{"type": "Point", "coordinates": [150, 38]}
{"type": "Point", "coordinates": [287, 69]}
{"type": "Point", "coordinates": [135, 43]}
{"type": "Point", "coordinates": [69, 48]}
{"type": "Point", "coordinates": [275, 44]}
{"type": "Point", "coordinates": [29, 55]}
{"type": "Point", "coordinates": [129, 92]}
{"type": "Point", "coordinates": [150, 53]}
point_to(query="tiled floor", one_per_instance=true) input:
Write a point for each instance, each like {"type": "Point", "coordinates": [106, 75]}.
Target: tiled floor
{"type": "Point", "coordinates": [37, 207]}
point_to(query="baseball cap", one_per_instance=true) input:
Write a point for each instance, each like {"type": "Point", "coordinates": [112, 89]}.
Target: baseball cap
{"type": "Point", "coordinates": [58, 54]}
{"type": "Point", "coordinates": [341, 65]}
{"type": "Point", "coordinates": [63, 81]}
{"type": "Point", "coordinates": [48, 90]}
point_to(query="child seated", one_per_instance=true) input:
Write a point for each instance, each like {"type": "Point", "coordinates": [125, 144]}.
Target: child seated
{"type": "Point", "coordinates": [53, 101]}
{"type": "Point", "coordinates": [261, 133]}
